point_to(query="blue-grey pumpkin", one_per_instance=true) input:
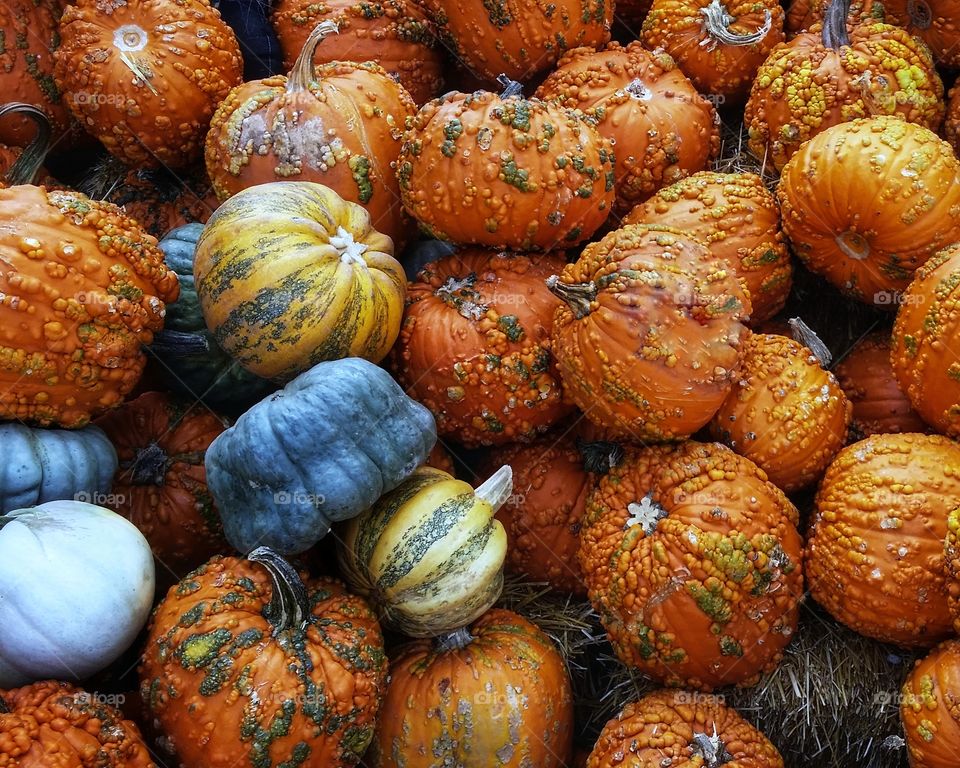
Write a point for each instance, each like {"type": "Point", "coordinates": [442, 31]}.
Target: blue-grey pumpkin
{"type": "Point", "coordinates": [322, 449]}
{"type": "Point", "coordinates": [41, 465]}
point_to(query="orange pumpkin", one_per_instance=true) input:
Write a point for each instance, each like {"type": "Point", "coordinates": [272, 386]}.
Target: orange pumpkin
{"type": "Point", "coordinates": [338, 125]}
{"type": "Point", "coordinates": [83, 291]}
{"type": "Point", "coordinates": [951, 122]}
{"type": "Point", "coordinates": [145, 77]}
{"type": "Point", "coordinates": [497, 689]}
{"type": "Point", "coordinates": [648, 339]}
{"type": "Point", "coordinates": [739, 220]}
{"type": "Point", "coordinates": [869, 245]}
{"type": "Point", "coordinates": [506, 172]}
{"type": "Point", "coordinates": [474, 346]}
{"type": "Point", "coordinates": [928, 708]}
{"type": "Point", "coordinates": [661, 128]}
{"type": "Point", "coordinates": [951, 558]}
{"type": "Point", "coordinates": [692, 559]}
{"type": "Point", "coordinates": [875, 549]}
{"type": "Point", "coordinates": [396, 34]}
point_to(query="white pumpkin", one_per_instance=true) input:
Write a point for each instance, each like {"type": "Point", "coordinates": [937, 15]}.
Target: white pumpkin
{"type": "Point", "coordinates": [76, 586]}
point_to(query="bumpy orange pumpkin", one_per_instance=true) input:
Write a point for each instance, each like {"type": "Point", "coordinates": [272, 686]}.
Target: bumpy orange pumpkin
{"type": "Point", "coordinates": [879, 406]}
{"type": "Point", "coordinates": [339, 125]}
{"type": "Point", "coordinates": [875, 550]}
{"type": "Point", "coordinates": [869, 245]}
{"type": "Point", "coordinates": [951, 123]}
{"type": "Point", "coordinates": [396, 34]}
{"type": "Point", "coordinates": [951, 558]}
{"type": "Point", "coordinates": [648, 338]}
{"type": "Point", "coordinates": [506, 172]}
{"type": "Point", "coordinates": [738, 219]}
{"type": "Point", "coordinates": [83, 290]}
{"type": "Point", "coordinates": [496, 690]}
{"type": "Point", "coordinates": [474, 346]}
{"type": "Point", "coordinates": [692, 559]}
{"type": "Point", "coordinates": [661, 128]}
{"type": "Point", "coordinates": [144, 77]}
{"type": "Point", "coordinates": [681, 728]}
{"type": "Point", "coordinates": [925, 357]}
{"type": "Point", "coordinates": [928, 708]}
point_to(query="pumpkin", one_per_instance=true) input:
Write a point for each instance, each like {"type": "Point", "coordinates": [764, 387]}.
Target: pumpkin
{"type": "Point", "coordinates": [719, 44]}
{"type": "Point", "coordinates": [248, 662]}
{"type": "Point", "coordinates": [875, 549]}
{"type": "Point", "coordinates": [922, 352]}
{"type": "Point", "coordinates": [951, 122]}
{"type": "Point", "coordinates": [41, 465]}
{"type": "Point", "coordinates": [76, 586]}
{"type": "Point", "coordinates": [474, 346]}
{"type": "Point", "coordinates": [738, 218]}
{"type": "Point", "coordinates": [161, 483]}
{"type": "Point", "coordinates": [396, 34]}
{"type": "Point", "coordinates": [145, 77]}
{"type": "Point", "coordinates": [505, 171]}
{"type": "Point", "coordinates": [785, 413]}
{"type": "Point", "coordinates": [682, 728]}
{"type": "Point", "coordinates": [951, 559]}
{"type": "Point", "coordinates": [498, 690]}
{"type": "Point", "coordinates": [803, 14]}
{"type": "Point", "coordinates": [289, 274]}
{"type": "Point", "coordinates": [83, 288]}
{"type": "Point", "coordinates": [339, 124]}
{"type": "Point", "coordinates": [54, 724]}
{"type": "Point", "coordinates": [429, 554]}
{"type": "Point", "coordinates": [693, 561]}
{"type": "Point", "coordinates": [869, 246]}
{"type": "Point", "coordinates": [661, 128]}
{"type": "Point", "coordinates": [323, 448]}
{"type": "Point", "coordinates": [516, 38]}
{"type": "Point", "coordinates": [928, 708]}
{"type": "Point", "coordinates": [22, 165]}
{"type": "Point", "coordinates": [830, 76]}
{"type": "Point", "coordinates": [866, 377]}
{"type": "Point", "coordinates": [648, 340]}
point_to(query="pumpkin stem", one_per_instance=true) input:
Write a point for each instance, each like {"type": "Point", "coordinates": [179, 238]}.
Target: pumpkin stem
{"type": "Point", "coordinates": [921, 16]}
{"type": "Point", "coordinates": [834, 34]}
{"type": "Point", "coordinates": [511, 88]}
{"type": "Point", "coordinates": [149, 466]}
{"type": "Point", "coordinates": [498, 487]}
{"type": "Point", "coordinates": [24, 170]}
{"type": "Point", "coordinates": [716, 25]}
{"type": "Point", "coordinates": [289, 605]}
{"type": "Point", "coordinates": [456, 640]}
{"type": "Point", "coordinates": [578, 295]}
{"type": "Point", "coordinates": [711, 749]}
{"type": "Point", "coordinates": [599, 456]}
{"type": "Point", "coordinates": [302, 73]}
{"type": "Point", "coordinates": [180, 343]}
{"type": "Point", "coordinates": [808, 337]}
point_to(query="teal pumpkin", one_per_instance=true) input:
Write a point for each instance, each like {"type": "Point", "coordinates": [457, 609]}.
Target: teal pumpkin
{"type": "Point", "coordinates": [322, 449]}
{"type": "Point", "coordinates": [41, 465]}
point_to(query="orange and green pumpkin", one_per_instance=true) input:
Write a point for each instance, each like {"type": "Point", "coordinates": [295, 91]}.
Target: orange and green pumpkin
{"type": "Point", "coordinates": [928, 708]}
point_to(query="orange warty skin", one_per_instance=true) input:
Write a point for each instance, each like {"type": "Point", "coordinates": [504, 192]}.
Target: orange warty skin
{"type": "Point", "coordinates": [474, 346]}
{"type": "Point", "coordinates": [506, 173]}
{"type": "Point", "coordinates": [951, 122]}
{"type": "Point", "coordinates": [693, 561]}
{"type": "Point", "coordinates": [929, 709]}
{"type": "Point", "coordinates": [83, 290]}
{"type": "Point", "coordinates": [923, 352]}
{"type": "Point", "coordinates": [738, 219]}
{"type": "Point", "coordinates": [660, 127]}
{"type": "Point", "coordinates": [869, 246]}
{"type": "Point", "coordinates": [55, 725]}
{"type": "Point", "coordinates": [785, 413]}
{"type": "Point", "coordinates": [648, 340]}
{"type": "Point", "coordinates": [866, 376]}
{"type": "Point", "coordinates": [951, 559]}
{"type": "Point", "coordinates": [188, 58]}
{"type": "Point", "coordinates": [874, 553]}
{"type": "Point", "coordinates": [664, 728]}
{"type": "Point", "coordinates": [506, 696]}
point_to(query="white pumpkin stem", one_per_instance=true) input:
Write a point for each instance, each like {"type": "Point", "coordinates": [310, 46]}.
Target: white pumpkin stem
{"type": "Point", "coordinates": [511, 88]}
{"type": "Point", "coordinates": [302, 72]}
{"type": "Point", "coordinates": [497, 489]}
{"type": "Point", "coordinates": [289, 605]}
{"type": "Point", "coordinates": [578, 296]}
{"type": "Point", "coordinates": [25, 168]}
{"type": "Point", "coordinates": [716, 25]}
{"type": "Point", "coordinates": [456, 640]}
{"type": "Point", "coordinates": [808, 337]}
{"type": "Point", "coordinates": [711, 749]}
{"type": "Point", "coordinates": [834, 34]}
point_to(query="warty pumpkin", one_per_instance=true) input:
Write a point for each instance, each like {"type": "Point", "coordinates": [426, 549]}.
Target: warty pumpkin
{"type": "Point", "coordinates": [874, 554]}
{"type": "Point", "coordinates": [474, 346]}
{"type": "Point", "coordinates": [83, 288]}
{"type": "Point", "coordinates": [648, 340]}
{"type": "Point", "coordinates": [951, 559]}
{"type": "Point", "coordinates": [145, 77]}
{"type": "Point", "coordinates": [248, 662]}
{"type": "Point", "coordinates": [693, 561]}
{"type": "Point", "coordinates": [505, 172]}
{"type": "Point", "coordinates": [661, 129]}
{"type": "Point", "coordinates": [339, 124]}
{"type": "Point", "coordinates": [869, 245]}
{"type": "Point", "coordinates": [289, 274]}
{"type": "Point", "coordinates": [495, 691]}
{"type": "Point", "coordinates": [738, 219]}
{"type": "Point", "coordinates": [928, 708]}
{"type": "Point", "coordinates": [429, 554]}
